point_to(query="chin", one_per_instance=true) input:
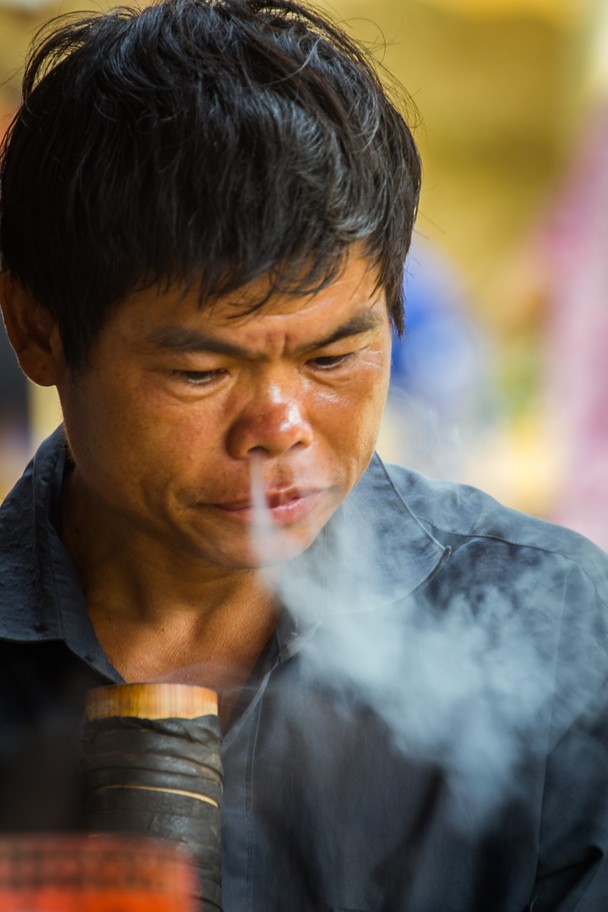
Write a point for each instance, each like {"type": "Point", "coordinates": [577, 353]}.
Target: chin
{"type": "Point", "coordinates": [270, 551]}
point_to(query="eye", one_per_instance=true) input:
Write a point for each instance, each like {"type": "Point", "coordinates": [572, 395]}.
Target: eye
{"type": "Point", "coordinates": [331, 362]}
{"type": "Point", "coordinates": [199, 378]}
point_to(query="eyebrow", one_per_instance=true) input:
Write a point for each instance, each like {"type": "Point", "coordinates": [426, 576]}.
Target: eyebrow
{"type": "Point", "coordinates": [180, 339]}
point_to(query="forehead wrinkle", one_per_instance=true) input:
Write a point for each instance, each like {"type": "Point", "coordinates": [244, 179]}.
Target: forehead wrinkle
{"type": "Point", "coordinates": [190, 340]}
{"type": "Point", "coordinates": [370, 315]}
{"type": "Point", "coordinates": [183, 339]}
{"type": "Point", "coordinates": [356, 325]}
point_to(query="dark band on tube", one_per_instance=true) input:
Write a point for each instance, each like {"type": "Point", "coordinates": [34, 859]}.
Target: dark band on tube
{"type": "Point", "coordinates": [161, 778]}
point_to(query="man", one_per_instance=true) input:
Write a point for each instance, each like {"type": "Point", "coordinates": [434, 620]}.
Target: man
{"type": "Point", "coordinates": [206, 208]}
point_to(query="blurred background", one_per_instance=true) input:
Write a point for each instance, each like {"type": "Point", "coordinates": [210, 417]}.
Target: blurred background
{"type": "Point", "coordinates": [502, 378]}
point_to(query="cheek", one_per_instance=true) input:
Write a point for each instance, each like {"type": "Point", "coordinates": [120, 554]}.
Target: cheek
{"type": "Point", "coordinates": [371, 386]}
{"type": "Point", "coordinates": [356, 413]}
{"type": "Point", "coordinates": [116, 436]}
{"type": "Point", "coordinates": [372, 398]}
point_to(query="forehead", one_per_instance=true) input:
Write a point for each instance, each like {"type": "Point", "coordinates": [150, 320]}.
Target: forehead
{"type": "Point", "coordinates": [356, 285]}
{"type": "Point", "coordinates": [257, 307]}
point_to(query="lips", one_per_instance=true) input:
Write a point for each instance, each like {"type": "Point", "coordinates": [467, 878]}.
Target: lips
{"type": "Point", "coordinates": [282, 505]}
{"type": "Point", "coordinates": [272, 499]}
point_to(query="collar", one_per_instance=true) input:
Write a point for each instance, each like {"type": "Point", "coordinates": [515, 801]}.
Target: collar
{"type": "Point", "coordinates": [373, 553]}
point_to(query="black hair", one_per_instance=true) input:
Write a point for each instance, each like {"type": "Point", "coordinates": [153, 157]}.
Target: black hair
{"type": "Point", "coordinates": [200, 141]}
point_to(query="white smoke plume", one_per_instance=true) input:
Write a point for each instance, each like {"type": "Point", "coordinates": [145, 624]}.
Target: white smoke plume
{"type": "Point", "coordinates": [464, 685]}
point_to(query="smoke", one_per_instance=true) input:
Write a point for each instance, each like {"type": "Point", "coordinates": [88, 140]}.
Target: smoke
{"type": "Point", "coordinates": [263, 535]}
{"type": "Point", "coordinates": [462, 672]}
{"type": "Point", "coordinates": [416, 433]}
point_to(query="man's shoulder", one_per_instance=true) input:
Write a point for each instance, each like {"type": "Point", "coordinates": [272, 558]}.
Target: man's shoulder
{"type": "Point", "coordinates": [461, 516]}
{"type": "Point", "coordinates": [26, 543]}
{"type": "Point", "coordinates": [30, 502]}
{"type": "Point", "coordinates": [19, 570]}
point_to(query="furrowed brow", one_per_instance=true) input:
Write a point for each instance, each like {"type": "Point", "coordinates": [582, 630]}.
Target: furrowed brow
{"type": "Point", "coordinates": [180, 340]}
{"type": "Point", "coordinates": [355, 326]}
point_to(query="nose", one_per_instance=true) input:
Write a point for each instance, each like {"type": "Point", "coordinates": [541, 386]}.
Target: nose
{"type": "Point", "coordinates": [271, 423]}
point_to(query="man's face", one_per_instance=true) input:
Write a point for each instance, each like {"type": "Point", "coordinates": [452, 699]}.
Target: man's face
{"type": "Point", "coordinates": [179, 402]}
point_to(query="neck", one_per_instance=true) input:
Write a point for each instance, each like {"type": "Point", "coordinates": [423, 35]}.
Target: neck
{"type": "Point", "coordinates": [160, 614]}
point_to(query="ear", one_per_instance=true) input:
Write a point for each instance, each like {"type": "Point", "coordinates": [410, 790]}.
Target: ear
{"type": "Point", "coordinates": [33, 333]}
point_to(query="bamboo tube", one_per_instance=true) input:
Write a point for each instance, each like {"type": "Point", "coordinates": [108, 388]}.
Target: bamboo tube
{"type": "Point", "coordinates": [151, 759]}
{"type": "Point", "coordinates": [151, 701]}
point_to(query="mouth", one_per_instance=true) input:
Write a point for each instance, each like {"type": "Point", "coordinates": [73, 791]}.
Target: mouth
{"type": "Point", "coordinates": [281, 505]}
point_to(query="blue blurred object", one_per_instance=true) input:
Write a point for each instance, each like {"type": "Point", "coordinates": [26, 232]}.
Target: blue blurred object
{"type": "Point", "coordinates": [439, 372]}
{"type": "Point", "coordinates": [441, 355]}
